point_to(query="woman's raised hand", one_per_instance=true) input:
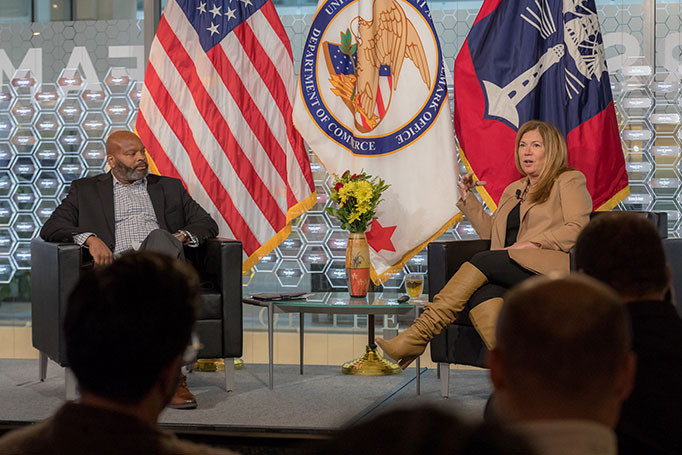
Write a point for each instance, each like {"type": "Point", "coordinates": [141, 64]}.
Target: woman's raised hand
{"type": "Point", "coordinates": [466, 183]}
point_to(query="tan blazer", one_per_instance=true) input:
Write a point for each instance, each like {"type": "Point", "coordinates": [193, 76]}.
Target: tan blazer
{"type": "Point", "coordinates": [554, 224]}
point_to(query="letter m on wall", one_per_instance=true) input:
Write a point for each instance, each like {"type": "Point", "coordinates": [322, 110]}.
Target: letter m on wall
{"type": "Point", "coordinates": [33, 61]}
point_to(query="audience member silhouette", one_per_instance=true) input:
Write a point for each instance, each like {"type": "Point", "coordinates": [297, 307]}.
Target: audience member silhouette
{"type": "Point", "coordinates": [624, 250]}
{"type": "Point", "coordinates": [138, 312]}
{"type": "Point", "coordinates": [424, 430]}
{"type": "Point", "coordinates": [562, 365]}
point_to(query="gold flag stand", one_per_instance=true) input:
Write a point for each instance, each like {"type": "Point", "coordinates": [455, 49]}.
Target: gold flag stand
{"type": "Point", "coordinates": [212, 365]}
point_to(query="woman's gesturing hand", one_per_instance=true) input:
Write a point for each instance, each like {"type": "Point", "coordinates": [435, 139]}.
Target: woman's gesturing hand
{"type": "Point", "coordinates": [466, 183]}
{"type": "Point", "coordinates": [522, 245]}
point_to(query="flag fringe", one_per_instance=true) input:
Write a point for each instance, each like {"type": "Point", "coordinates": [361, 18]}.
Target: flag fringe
{"type": "Point", "coordinates": [150, 161]}
{"type": "Point", "coordinates": [398, 266]}
{"type": "Point", "coordinates": [265, 249]}
{"type": "Point", "coordinates": [615, 200]}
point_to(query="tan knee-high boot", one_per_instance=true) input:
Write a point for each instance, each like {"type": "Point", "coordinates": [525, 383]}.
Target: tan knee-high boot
{"type": "Point", "coordinates": [449, 302]}
{"type": "Point", "coordinates": [484, 318]}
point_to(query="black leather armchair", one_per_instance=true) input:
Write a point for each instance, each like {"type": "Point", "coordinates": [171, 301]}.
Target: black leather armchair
{"type": "Point", "coordinates": [55, 268]}
{"type": "Point", "coordinates": [460, 343]}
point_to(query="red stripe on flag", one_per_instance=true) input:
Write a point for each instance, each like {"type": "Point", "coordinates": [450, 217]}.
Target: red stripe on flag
{"type": "Point", "coordinates": [266, 69]}
{"type": "Point", "coordinates": [270, 13]}
{"type": "Point", "coordinates": [219, 127]}
{"type": "Point", "coordinates": [211, 183]}
{"type": "Point", "coordinates": [250, 112]}
{"type": "Point", "coordinates": [269, 74]}
{"type": "Point", "coordinates": [156, 151]}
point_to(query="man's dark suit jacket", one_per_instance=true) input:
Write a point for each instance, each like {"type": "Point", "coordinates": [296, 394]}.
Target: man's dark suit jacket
{"type": "Point", "coordinates": [651, 418]}
{"type": "Point", "coordinates": [89, 207]}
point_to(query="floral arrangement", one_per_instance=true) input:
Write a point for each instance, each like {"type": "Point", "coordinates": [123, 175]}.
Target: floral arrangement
{"type": "Point", "coordinates": [357, 197]}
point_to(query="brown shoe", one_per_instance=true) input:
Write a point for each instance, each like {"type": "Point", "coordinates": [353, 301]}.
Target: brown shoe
{"type": "Point", "coordinates": [183, 398]}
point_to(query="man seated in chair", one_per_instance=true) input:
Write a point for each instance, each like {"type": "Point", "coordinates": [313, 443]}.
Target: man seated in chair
{"type": "Point", "coordinates": [128, 209]}
{"type": "Point", "coordinates": [126, 362]}
{"type": "Point", "coordinates": [626, 252]}
{"type": "Point", "coordinates": [563, 364]}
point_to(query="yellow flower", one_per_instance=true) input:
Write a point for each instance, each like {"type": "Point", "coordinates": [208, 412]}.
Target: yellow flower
{"type": "Point", "coordinates": [354, 216]}
{"type": "Point", "coordinates": [364, 207]}
{"type": "Point", "coordinates": [344, 193]}
{"type": "Point", "coordinates": [364, 191]}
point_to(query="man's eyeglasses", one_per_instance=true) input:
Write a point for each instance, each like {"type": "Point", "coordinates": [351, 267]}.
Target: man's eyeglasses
{"type": "Point", "coordinates": [192, 350]}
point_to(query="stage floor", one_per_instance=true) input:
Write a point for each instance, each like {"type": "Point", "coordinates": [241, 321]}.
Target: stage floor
{"type": "Point", "coordinates": [311, 405]}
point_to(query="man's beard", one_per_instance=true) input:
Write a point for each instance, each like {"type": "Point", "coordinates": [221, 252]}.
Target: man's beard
{"type": "Point", "coordinates": [131, 174]}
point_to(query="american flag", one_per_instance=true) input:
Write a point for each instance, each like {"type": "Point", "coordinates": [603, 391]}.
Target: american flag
{"type": "Point", "coordinates": [215, 112]}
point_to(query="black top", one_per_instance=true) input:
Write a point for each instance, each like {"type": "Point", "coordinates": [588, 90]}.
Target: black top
{"type": "Point", "coordinates": [513, 223]}
{"type": "Point", "coordinates": [651, 417]}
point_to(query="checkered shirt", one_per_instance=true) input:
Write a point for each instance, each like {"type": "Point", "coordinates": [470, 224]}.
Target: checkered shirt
{"type": "Point", "coordinates": [134, 216]}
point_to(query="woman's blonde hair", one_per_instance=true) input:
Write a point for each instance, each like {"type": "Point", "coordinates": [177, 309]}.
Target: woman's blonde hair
{"type": "Point", "coordinates": [555, 157]}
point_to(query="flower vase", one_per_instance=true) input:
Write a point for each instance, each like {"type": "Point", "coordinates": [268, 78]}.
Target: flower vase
{"type": "Point", "coordinates": [357, 265]}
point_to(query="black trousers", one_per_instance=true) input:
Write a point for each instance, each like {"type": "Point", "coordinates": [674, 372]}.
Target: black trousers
{"type": "Point", "coordinates": [502, 273]}
{"type": "Point", "coordinates": [161, 241]}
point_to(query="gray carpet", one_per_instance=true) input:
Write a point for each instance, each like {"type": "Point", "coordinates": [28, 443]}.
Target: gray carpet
{"type": "Point", "coordinates": [322, 399]}
{"type": "Point", "coordinates": [469, 391]}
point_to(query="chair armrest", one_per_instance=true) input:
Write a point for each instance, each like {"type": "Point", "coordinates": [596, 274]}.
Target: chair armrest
{"type": "Point", "coordinates": [222, 266]}
{"type": "Point", "coordinates": [55, 269]}
{"type": "Point", "coordinates": [445, 258]}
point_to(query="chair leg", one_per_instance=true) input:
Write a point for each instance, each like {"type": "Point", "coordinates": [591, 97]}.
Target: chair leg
{"type": "Point", "coordinates": [229, 374]}
{"type": "Point", "coordinates": [42, 365]}
{"type": "Point", "coordinates": [70, 384]}
{"type": "Point", "coordinates": [444, 369]}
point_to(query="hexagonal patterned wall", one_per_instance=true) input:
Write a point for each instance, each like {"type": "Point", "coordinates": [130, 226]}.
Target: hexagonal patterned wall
{"type": "Point", "coordinates": [65, 85]}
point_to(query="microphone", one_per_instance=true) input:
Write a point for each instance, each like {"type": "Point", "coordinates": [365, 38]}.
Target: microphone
{"type": "Point", "coordinates": [518, 194]}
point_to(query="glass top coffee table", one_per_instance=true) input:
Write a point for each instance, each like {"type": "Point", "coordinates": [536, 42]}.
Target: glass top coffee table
{"type": "Point", "coordinates": [371, 363]}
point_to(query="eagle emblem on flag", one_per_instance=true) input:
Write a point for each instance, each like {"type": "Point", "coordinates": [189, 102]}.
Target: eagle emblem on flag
{"type": "Point", "coordinates": [373, 97]}
{"type": "Point", "coordinates": [365, 66]}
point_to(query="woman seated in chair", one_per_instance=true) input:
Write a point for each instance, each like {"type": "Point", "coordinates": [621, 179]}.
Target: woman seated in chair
{"type": "Point", "coordinates": [537, 221]}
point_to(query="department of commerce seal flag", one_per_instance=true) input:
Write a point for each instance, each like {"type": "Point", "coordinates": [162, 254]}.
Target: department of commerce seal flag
{"type": "Point", "coordinates": [538, 60]}
{"type": "Point", "coordinates": [216, 113]}
{"type": "Point", "coordinates": [373, 96]}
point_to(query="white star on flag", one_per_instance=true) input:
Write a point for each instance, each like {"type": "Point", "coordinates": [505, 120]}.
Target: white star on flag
{"type": "Point", "coordinates": [216, 10]}
{"type": "Point", "coordinates": [213, 29]}
{"type": "Point", "coordinates": [247, 3]}
{"type": "Point", "coordinates": [202, 7]}
{"type": "Point", "coordinates": [230, 13]}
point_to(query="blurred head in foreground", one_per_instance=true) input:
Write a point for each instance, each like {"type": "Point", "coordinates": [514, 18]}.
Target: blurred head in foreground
{"type": "Point", "coordinates": [563, 352]}
{"type": "Point", "coordinates": [127, 326]}
{"type": "Point", "coordinates": [624, 250]}
{"type": "Point", "coordinates": [422, 430]}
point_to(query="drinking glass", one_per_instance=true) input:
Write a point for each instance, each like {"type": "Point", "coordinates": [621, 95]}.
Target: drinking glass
{"type": "Point", "coordinates": [414, 284]}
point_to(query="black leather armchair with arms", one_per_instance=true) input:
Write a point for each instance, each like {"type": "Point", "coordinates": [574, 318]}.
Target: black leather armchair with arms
{"type": "Point", "coordinates": [55, 268]}
{"type": "Point", "coordinates": [460, 343]}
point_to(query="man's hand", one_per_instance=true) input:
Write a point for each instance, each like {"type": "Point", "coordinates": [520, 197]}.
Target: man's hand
{"type": "Point", "coordinates": [182, 237]}
{"type": "Point", "coordinates": [99, 251]}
